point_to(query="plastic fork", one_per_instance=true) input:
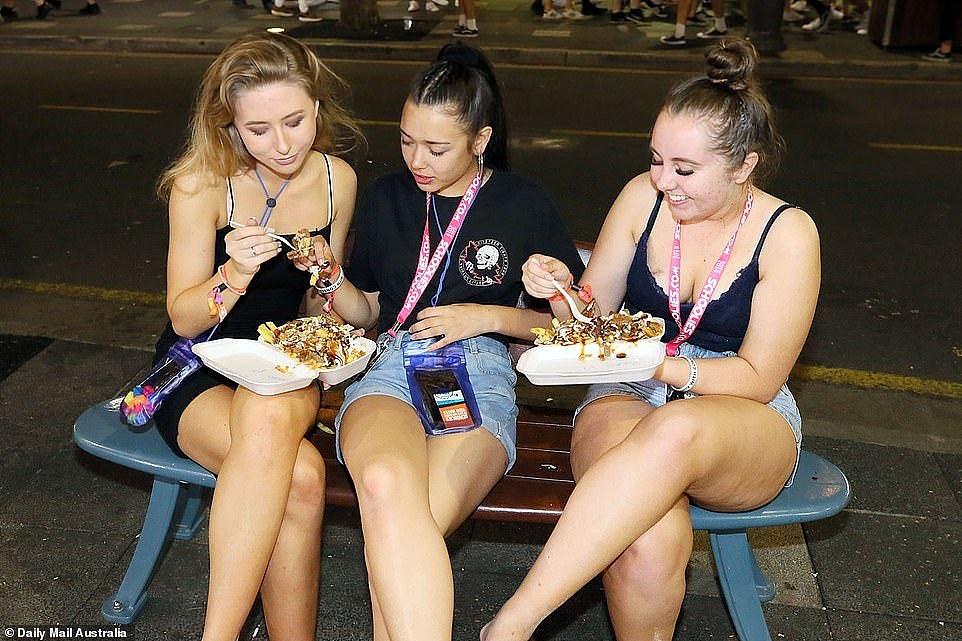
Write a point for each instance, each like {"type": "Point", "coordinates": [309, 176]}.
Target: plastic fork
{"type": "Point", "coordinates": [574, 308]}
{"type": "Point", "coordinates": [237, 225]}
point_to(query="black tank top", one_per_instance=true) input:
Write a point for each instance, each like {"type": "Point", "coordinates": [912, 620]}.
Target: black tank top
{"type": "Point", "coordinates": [273, 294]}
{"type": "Point", "coordinates": [723, 326]}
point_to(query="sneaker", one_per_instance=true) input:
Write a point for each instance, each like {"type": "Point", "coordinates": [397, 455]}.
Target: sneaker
{"type": "Point", "coordinates": [413, 5]}
{"type": "Point", "coordinates": [673, 41]}
{"type": "Point", "coordinates": [712, 34]}
{"type": "Point", "coordinates": [938, 56]}
{"type": "Point", "coordinates": [90, 9]}
{"type": "Point", "coordinates": [44, 10]}
{"type": "Point", "coordinates": [462, 31]}
{"type": "Point", "coordinates": [591, 9]}
{"type": "Point", "coordinates": [800, 6]}
{"type": "Point", "coordinates": [700, 19]}
{"type": "Point", "coordinates": [617, 17]}
{"type": "Point", "coordinates": [790, 15]}
{"type": "Point", "coordinates": [307, 16]}
{"type": "Point", "coordinates": [573, 14]}
{"type": "Point", "coordinates": [862, 27]}
{"type": "Point", "coordinates": [820, 23]}
{"type": "Point", "coordinates": [284, 12]}
{"type": "Point", "coordinates": [8, 14]}
{"type": "Point", "coordinates": [551, 14]}
{"type": "Point", "coordinates": [654, 9]}
{"type": "Point", "coordinates": [637, 16]}
{"type": "Point", "coordinates": [430, 6]}
{"type": "Point", "coordinates": [835, 14]}
{"type": "Point", "coordinates": [441, 3]}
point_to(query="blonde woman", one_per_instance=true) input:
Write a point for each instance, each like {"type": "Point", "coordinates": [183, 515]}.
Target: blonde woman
{"type": "Point", "coordinates": [257, 158]}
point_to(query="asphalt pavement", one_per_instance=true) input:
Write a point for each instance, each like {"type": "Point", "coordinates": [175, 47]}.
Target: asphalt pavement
{"type": "Point", "coordinates": [889, 567]}
{"type": "Point", "coordinates": [509, 32]}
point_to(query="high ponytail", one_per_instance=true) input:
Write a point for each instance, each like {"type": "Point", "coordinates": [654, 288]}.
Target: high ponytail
{"type": "Point", "coordinates": [461, 81]}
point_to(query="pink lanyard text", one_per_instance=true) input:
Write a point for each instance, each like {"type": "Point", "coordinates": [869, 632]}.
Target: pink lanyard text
{"type": "Point", "coordinates": [674, 281]}
{"type": "Point", "coordinates": [426, 267]}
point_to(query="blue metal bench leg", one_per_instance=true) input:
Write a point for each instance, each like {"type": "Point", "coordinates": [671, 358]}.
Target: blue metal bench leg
{"type": "Point", "coordinates": [126, 604]}
{"type": "Point", "coordinates": [738, 573]}
{"type": "Point", "coordinates": [764, 586]}
{"type": "Point", "coordinates": [191, 513]}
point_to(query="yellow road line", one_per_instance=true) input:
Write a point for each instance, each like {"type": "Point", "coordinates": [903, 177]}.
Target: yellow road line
{"type": "Point", "coordinates": [877, 380]}
{"type": "Point", "coordinates": [909, 147]}
{"type": "Point", "coordinates": [815, 373]}
{"type": "Point", "coordinates": [81, 291]}
{"type": "Point", "coordinates": [109, 110]}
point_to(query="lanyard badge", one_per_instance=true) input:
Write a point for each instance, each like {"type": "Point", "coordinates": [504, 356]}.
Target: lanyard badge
{"type": "Point", "coordinates": [428, 263]}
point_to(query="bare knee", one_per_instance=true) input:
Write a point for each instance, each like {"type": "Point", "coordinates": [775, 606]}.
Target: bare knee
{"type": "Point", "coordinates": [308, 482]}
{"type": "Point", "coordinates": [673, 432]}
{"type": "Point", "coordinates": [379, 480]}
{"type": "Point", "coordinates": [653, 567]}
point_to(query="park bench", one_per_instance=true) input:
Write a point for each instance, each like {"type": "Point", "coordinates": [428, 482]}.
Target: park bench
{"type": "Point", "coordinates": [534, 491]}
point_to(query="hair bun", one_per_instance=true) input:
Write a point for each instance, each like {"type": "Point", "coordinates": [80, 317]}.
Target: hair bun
{"type": "Point", "coordinates": [732, 63]}
{"type": "Point", "coordinates": [461, 54]}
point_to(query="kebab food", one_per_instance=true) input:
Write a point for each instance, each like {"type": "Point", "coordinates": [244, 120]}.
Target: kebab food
{"type": "Point", "coordinates": [320, 342]}
{"type": "Point", "coordinates": [609, 332]}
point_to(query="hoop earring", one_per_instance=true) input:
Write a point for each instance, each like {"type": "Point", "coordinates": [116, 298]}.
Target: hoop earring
{"type": "Point", "coordinates": [481, 163]}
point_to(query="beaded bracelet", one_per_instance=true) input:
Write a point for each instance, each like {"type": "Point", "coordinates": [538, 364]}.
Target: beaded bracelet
{"type": "Point", "coordinates": [692, 375]}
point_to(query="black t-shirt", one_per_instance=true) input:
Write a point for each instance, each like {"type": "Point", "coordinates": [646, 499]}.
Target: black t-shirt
{"type": "Point", "coordinates": [511, 219]}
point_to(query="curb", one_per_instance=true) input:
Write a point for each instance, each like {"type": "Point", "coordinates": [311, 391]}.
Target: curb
{"type": "Point", "coordinates": [778, 67]}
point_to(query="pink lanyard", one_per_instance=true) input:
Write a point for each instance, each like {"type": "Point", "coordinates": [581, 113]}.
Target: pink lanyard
{"type": "Point", "coordinates": [426, 268]}
{"type": "Point", "coordinates": [674, 281]}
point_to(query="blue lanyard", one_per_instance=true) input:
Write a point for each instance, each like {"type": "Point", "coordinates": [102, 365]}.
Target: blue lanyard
{"type": "Point", "coordinates": [271, 202]}
{"type": "Point", "coordinates": [447, 261]}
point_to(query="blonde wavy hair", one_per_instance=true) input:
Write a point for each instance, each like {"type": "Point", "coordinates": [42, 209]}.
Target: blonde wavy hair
{"type": "Point", "coordinates": [214, 149]}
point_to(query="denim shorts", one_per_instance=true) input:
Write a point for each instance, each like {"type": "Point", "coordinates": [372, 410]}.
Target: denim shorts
{"type": "Point", "coordinates": [492, 378]}
{"type": "Point", "coordinates": [653, 392]}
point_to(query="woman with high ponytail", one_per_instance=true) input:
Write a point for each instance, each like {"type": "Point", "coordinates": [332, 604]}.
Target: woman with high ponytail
{"type": "Point", "coordinates": [436, 266]}
{"type": "Point", "coordinates": [734, 271]}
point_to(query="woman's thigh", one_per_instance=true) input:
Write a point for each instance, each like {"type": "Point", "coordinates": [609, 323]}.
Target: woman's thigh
{"type": "Point", "coordinates": [601, 425]}
{"type": "Point", "coordinates": [383, 429]}
{"type": "Point", "coordinates": [207, 424]}
{"type": "Point", "coordinates": [462, 469]}
{"type": "Point", "coordinates": [741, 451]}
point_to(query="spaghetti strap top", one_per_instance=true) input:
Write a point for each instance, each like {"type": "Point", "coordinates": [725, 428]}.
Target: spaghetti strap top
{"type": "Point", "coordinates": [274, 293]}
{"type": "Point", "coordinates": [723, 327]}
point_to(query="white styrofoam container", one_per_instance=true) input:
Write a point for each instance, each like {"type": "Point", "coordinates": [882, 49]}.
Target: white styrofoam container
{"type": "Point", "coordinates": [266, 370]}
{"type": "Point", "coordinates": [562, 365]}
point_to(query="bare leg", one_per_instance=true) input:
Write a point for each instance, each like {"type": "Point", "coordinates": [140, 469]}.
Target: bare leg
{"type": "Point", "coordinates": [411, 493]}
{"type": "Point", "coordinates": [268, 504]}
{"type": "Point", "coordinates": [645, 586]}
{"type": "Point", "coordinates": [724, 452]}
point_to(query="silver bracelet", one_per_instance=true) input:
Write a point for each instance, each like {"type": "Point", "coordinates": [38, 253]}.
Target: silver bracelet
{"type": "Point", "coordinates": [333, 286]}
{"type": "Point", "coordinates": [692, 375]}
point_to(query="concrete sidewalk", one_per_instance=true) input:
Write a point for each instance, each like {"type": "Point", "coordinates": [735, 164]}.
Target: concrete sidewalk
{"type": "Point", "coordinates": [510, 32]}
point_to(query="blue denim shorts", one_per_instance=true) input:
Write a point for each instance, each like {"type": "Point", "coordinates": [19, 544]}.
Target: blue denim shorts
{"type": "Point", "coordinates": [653, 392]}
{"type": "Point", "coordinates": [492, 378]}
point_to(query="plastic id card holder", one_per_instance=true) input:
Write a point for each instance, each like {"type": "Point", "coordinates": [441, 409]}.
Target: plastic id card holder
{"type": "Point", "coordinates": [440, 387]}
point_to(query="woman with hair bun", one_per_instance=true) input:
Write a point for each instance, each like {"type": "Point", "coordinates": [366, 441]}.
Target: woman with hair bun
{"type": "Point", "coordinates": [734, 271]}
{"type": "Point", "coordinates": [259, 157]}
{"type": "Point", "coordinates": [436, 266]}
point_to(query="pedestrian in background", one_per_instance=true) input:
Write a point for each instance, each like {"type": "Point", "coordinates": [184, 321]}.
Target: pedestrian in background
{"type": "Point", "coordinates": [947, 24]}
{"type": "Point", "coordinates": [8, 11]}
